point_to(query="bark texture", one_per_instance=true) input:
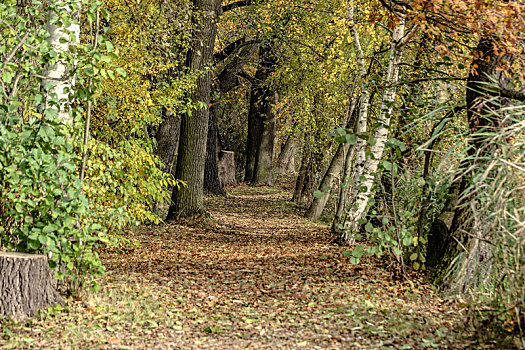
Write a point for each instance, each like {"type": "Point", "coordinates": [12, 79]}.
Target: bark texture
{"type": "Point", "coordinates": [301, 177]}
{"type": "Point", "coordinates": [227, 168]}
{"type": "Point", "coordinates": [260, 118]}
{"type": "Point", "coordinates": [263, 171]}
{"type": "Point", "coordinates": [228, 72]}
{"type": "Point", "coordinates": [454, 231]}
{"type": "Point", "coordinates": [58, 75]}
{"type": "Point", "coordinates": [26, 285]}
{"type": "Point", "coordinates": [366, 167]}
{"type": "Point", "coordinates": [286, 159]}
{"type": "Point", "coordinates": [188, 200]}
{"type": "Point", "coordinates": [212, 182]}
{"type": "Point", "coordinates": [332, 173]}
{"type": "Point", "coordinates": [358, 150]}
{"type": "Point", "coordinates": [167, 137]}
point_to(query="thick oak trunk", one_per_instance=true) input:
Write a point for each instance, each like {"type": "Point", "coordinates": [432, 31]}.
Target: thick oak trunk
{"type": "Point", "coordinates": [453, 232]}
{"type": "Point", "coordinates": [260, 118]}
{"type": "Point", "coordinates": [191, 158]}
{"type": "Point", "coordinates": [26, 285]}
{"type": "Point", "coordinates": [212, 182]}
{"type": "Point", "coordinates": [263, 169]}
{"type": "Point", "coordinates": [167, 138]}
{"type": "Point", "coordinates": [228, 77]}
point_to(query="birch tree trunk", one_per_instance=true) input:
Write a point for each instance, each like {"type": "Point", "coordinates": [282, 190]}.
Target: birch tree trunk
{"type": "Point", "coordinates": [366, 167]}
{"type": "Point", "coordinates": [361, 127]}
{"type": "Point", "coordinates": [61, 39]}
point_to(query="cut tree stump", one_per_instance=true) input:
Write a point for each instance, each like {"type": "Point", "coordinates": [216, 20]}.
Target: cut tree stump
{"type": "Point", "coordinates": [227, 168]}
{"type": "Point", "coordinates": [26, 285]}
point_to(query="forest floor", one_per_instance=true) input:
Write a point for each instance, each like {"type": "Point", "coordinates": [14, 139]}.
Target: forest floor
{"type": "Point", "coordinates": [257, 275]}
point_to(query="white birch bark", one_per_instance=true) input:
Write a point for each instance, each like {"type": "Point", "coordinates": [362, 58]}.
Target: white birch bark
{"type": "Point", "coordinates": [359, 149]}
{"type": "Point", "coordinates": [366, 167]}
{"type": "Point", "coordinates": [60, 39]}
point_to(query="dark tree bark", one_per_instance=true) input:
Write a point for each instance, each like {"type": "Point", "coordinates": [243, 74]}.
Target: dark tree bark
{"type": "Point", "coordinates": [299, 183]}
{"type": "Point", "coordinates": [332, 173]}
{"type": "Point", "coordinates": [263, 170]}
{"type": "Point", "coordinates": [188, 200]}
{"type": "Point", "coordinates": [212, 183]}
{"type": "Point", "coordinates": [260, 118]}
{"type": "Point", "coordinates": [255, 128]}
{"type": "Point", "coordinates": [450, 233]}
{"type": "Point", "coordinates": [228, 77]}
{"type": "Point", "coordinates": [26, 285]}
{"type": "Point", "coordinates": [167, 138]}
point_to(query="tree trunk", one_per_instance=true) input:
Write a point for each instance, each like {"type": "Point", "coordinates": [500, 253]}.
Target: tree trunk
{"type": "Point", "coordinates": [227, 79]}
{"type": "Point", "coordinates": [227, 168]}
{"type": "Point", "coordinates": [59, 76]}
{"type": "Point", "coordinates": [255, 129]}
{"type": "Point", "coordinates": [299, 183]}
{"type": "Point", "coordinates": [359, 149]}
{"type": "Point", "coordinates": [264, 156]}
{"type": "Point", "coordinates": [212, 183]}
{"type": "Point", "coordinates": [188, 200]}
{"type": "Point", "coordinates": [260, 118]}
{"type": "Point", "coordinates": [366, 168]}
{"type": "Point", "coordinates": [332, 173]}
{"type": "Point", "coordinates": [285, 161]}
{"type": "Point", "coordinates": [167, 138]}
{"type": "Point", "coordinates": [26, 285]}
{"type": "Point", "coordinates": [452, 233]}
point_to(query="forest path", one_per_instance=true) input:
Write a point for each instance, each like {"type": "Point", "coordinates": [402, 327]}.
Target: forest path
{"type": "Point", "coordinates": [256, 276]}
{"type": "Point", "coordinates": [261, 276]}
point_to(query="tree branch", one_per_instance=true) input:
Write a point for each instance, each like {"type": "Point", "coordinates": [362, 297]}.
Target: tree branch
{"type": "Point", "coordinates": [228, 50]}
{"type": "Point", "coordinates": [237, 4]}
{"type": "Point", "coordinates": [246, 76]}
{"type": "Point", "coordinates": [509, 93]}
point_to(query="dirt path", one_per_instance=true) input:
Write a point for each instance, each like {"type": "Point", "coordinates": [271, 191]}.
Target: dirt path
{"type": "Point", "coordinates": [256, 276]}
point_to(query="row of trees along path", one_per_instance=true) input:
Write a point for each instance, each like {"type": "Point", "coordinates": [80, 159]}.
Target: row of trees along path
{"type": "Point", "coordinates": [259, 275]}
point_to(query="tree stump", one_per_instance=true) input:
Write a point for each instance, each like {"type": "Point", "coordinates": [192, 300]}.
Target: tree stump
{"type": "Point", "coordinates": [227, 168]}
{"type": "Point", "coordinates": [26, 285]}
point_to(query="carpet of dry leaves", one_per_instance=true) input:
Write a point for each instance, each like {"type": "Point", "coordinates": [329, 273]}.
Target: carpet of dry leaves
{"type": "Point", "coordinates": [256, 275]}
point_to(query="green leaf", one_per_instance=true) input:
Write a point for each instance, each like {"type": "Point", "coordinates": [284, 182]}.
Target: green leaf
{"type": "Point", "coordinates": [351, 139]}
{"type": "Point", "coordinates": [121, 72]}
{"type": "Point", "coordinates": [413, 256]}
{"type": "Point", "coordinates": [358, 251]}
{"type": "Point", "coordinates": [318, 194]}
{"type": "Point", "coordinates": [7, 77]}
